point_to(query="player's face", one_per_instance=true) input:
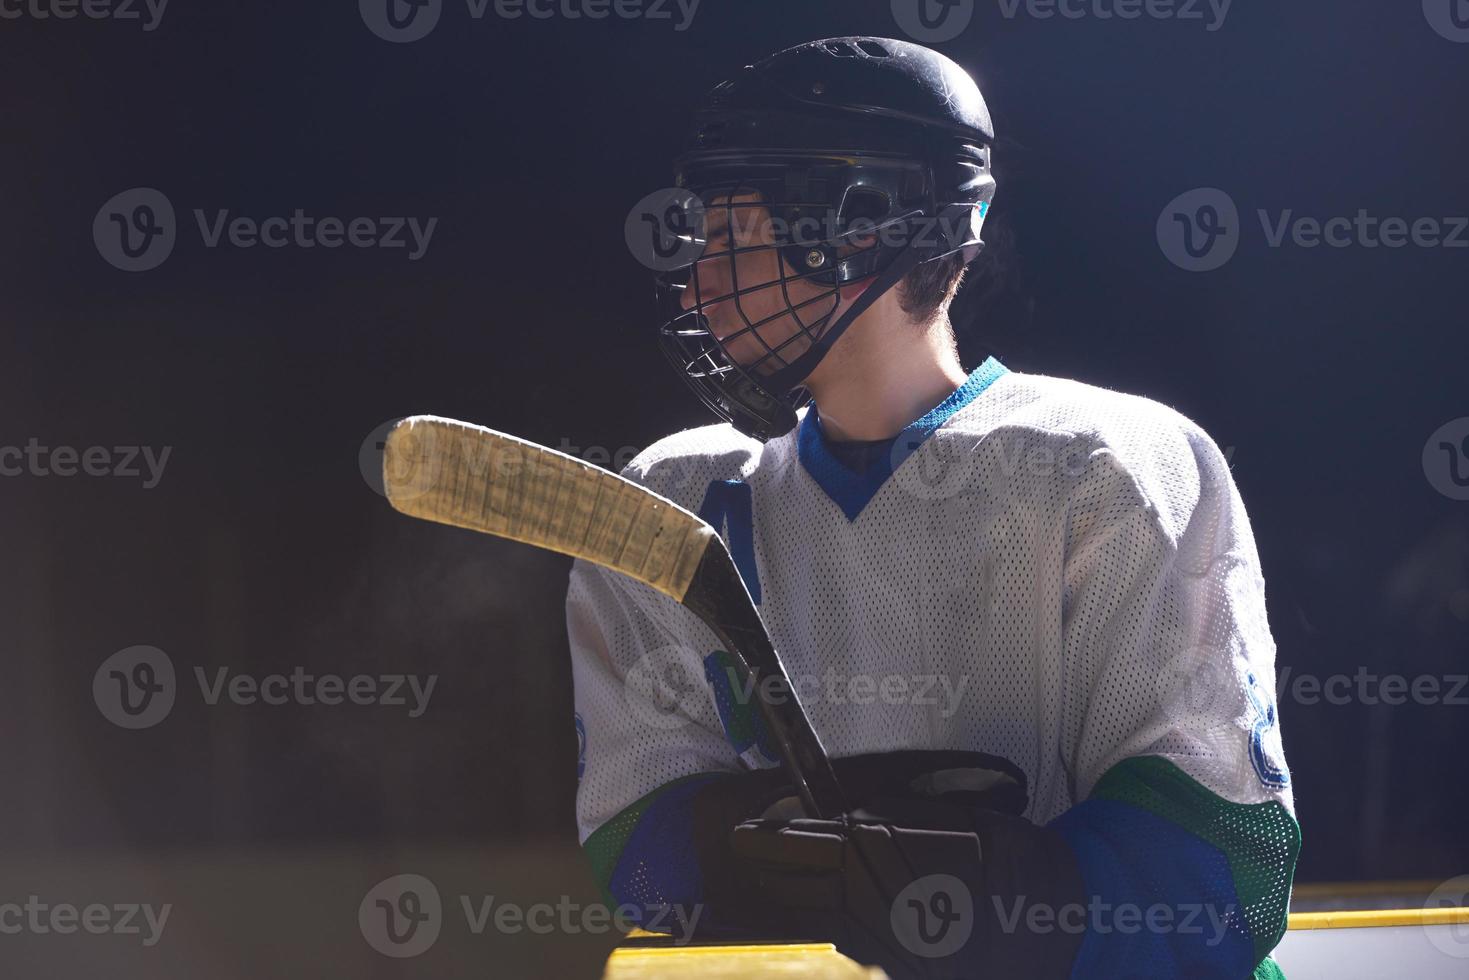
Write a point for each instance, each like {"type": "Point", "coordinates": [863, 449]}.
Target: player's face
{"type": "Point", "coordinates": [764, 300]}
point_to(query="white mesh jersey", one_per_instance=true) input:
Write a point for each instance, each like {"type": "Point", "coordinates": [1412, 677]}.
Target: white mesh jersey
{"type": "Point", "coordinates": [1049, 571]}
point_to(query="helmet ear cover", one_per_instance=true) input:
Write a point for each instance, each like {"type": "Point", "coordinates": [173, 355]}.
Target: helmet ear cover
{"type": "Point", "coordinates": [842, 251]}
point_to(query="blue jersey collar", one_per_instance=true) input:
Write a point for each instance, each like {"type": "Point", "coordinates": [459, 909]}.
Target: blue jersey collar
{"type": "Point", "coordinates": [851, 491]}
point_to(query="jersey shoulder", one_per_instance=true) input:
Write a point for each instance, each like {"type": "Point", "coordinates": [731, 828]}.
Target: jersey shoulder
{"type": "Point", "coordinates": [1168, 460]}
{"type": "Point", "coordinates": [680, 466]}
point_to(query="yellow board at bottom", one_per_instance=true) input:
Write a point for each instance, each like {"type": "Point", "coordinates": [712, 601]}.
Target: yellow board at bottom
{"type": "Point", "coordinates": [807, 961]}
{"type": "Point", "coordinates": [821, 961]}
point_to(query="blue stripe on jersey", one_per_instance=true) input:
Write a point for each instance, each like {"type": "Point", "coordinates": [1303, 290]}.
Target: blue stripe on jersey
{"type": "Point", "coordinates": [851, 491]}
{"type": "Point", "coordinates": [659, 864]}
{"type": "Point", "coordinates": [731, 502]}
{"type": "Point", "coordinates": [744, 725]}
{"type": "Point", "coordinates": [1132, 859]}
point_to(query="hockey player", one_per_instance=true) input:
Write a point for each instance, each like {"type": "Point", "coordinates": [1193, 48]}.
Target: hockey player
{"type": "Point", "coordinates": [1025, 615]}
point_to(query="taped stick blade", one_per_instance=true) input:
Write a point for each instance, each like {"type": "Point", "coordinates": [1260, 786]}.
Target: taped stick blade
{"type": "Point", "coordinates": [468, 476]}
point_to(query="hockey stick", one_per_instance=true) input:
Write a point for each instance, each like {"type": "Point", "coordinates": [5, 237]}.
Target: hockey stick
{"type": "Point", "coordinates": [476, 478]}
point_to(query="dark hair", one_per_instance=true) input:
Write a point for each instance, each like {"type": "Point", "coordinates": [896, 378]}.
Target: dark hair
{"type": "Point", "coordinates": [928, 288]}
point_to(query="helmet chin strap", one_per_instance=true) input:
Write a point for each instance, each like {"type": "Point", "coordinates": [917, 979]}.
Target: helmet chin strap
{"type": "Point", "coordinates": [766, 411]}
{"type": "Point", "coordinates": [789, 377]}
{"type": "Point", "coordinates": [763, 409]}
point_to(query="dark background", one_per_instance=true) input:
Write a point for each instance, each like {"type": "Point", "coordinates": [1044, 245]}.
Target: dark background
{"type": "Point", "coordinates": [263, 548]}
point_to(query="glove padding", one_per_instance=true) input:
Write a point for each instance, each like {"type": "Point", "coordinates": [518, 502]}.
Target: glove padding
{"type": "Point", "coordinates": [897, 896]}
{"type": "Point", "coordinates": [909, 884]}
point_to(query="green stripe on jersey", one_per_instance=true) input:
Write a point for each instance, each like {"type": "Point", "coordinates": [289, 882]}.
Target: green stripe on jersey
{"type": "Point", "coordinates": [604, 847]}
{"type": "Point", "coordinates": [1260, 840]}
{"type": "Point", "coordinates": [1268, 970]}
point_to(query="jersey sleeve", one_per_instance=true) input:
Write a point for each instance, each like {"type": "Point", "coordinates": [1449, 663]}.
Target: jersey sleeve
{"type": "Point", "coordinates": [1186, 816]}
{"type": "Point", "coordinates": [663, 731]}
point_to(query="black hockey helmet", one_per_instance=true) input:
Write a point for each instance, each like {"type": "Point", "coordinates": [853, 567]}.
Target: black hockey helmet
{"type": "Point", "coordinates": [870, 155]}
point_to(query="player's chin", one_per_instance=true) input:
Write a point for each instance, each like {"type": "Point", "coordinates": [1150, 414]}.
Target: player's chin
{"type": "Point", "coordinates": [747, 352]}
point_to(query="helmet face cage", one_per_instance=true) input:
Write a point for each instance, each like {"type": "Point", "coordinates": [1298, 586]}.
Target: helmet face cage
{"type": "Point", "coordinates": [828, 220]}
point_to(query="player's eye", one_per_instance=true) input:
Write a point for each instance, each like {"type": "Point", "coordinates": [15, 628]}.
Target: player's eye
{"type": "Point", "coordinates": [718, 235]}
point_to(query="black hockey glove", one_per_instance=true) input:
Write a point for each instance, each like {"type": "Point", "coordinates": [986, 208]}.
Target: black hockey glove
{"type": "Point", "coordinates": [914, 883]}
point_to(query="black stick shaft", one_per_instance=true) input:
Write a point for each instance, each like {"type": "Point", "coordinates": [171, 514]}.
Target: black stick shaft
{"type": "Point", "coordinates": [718, 596]}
